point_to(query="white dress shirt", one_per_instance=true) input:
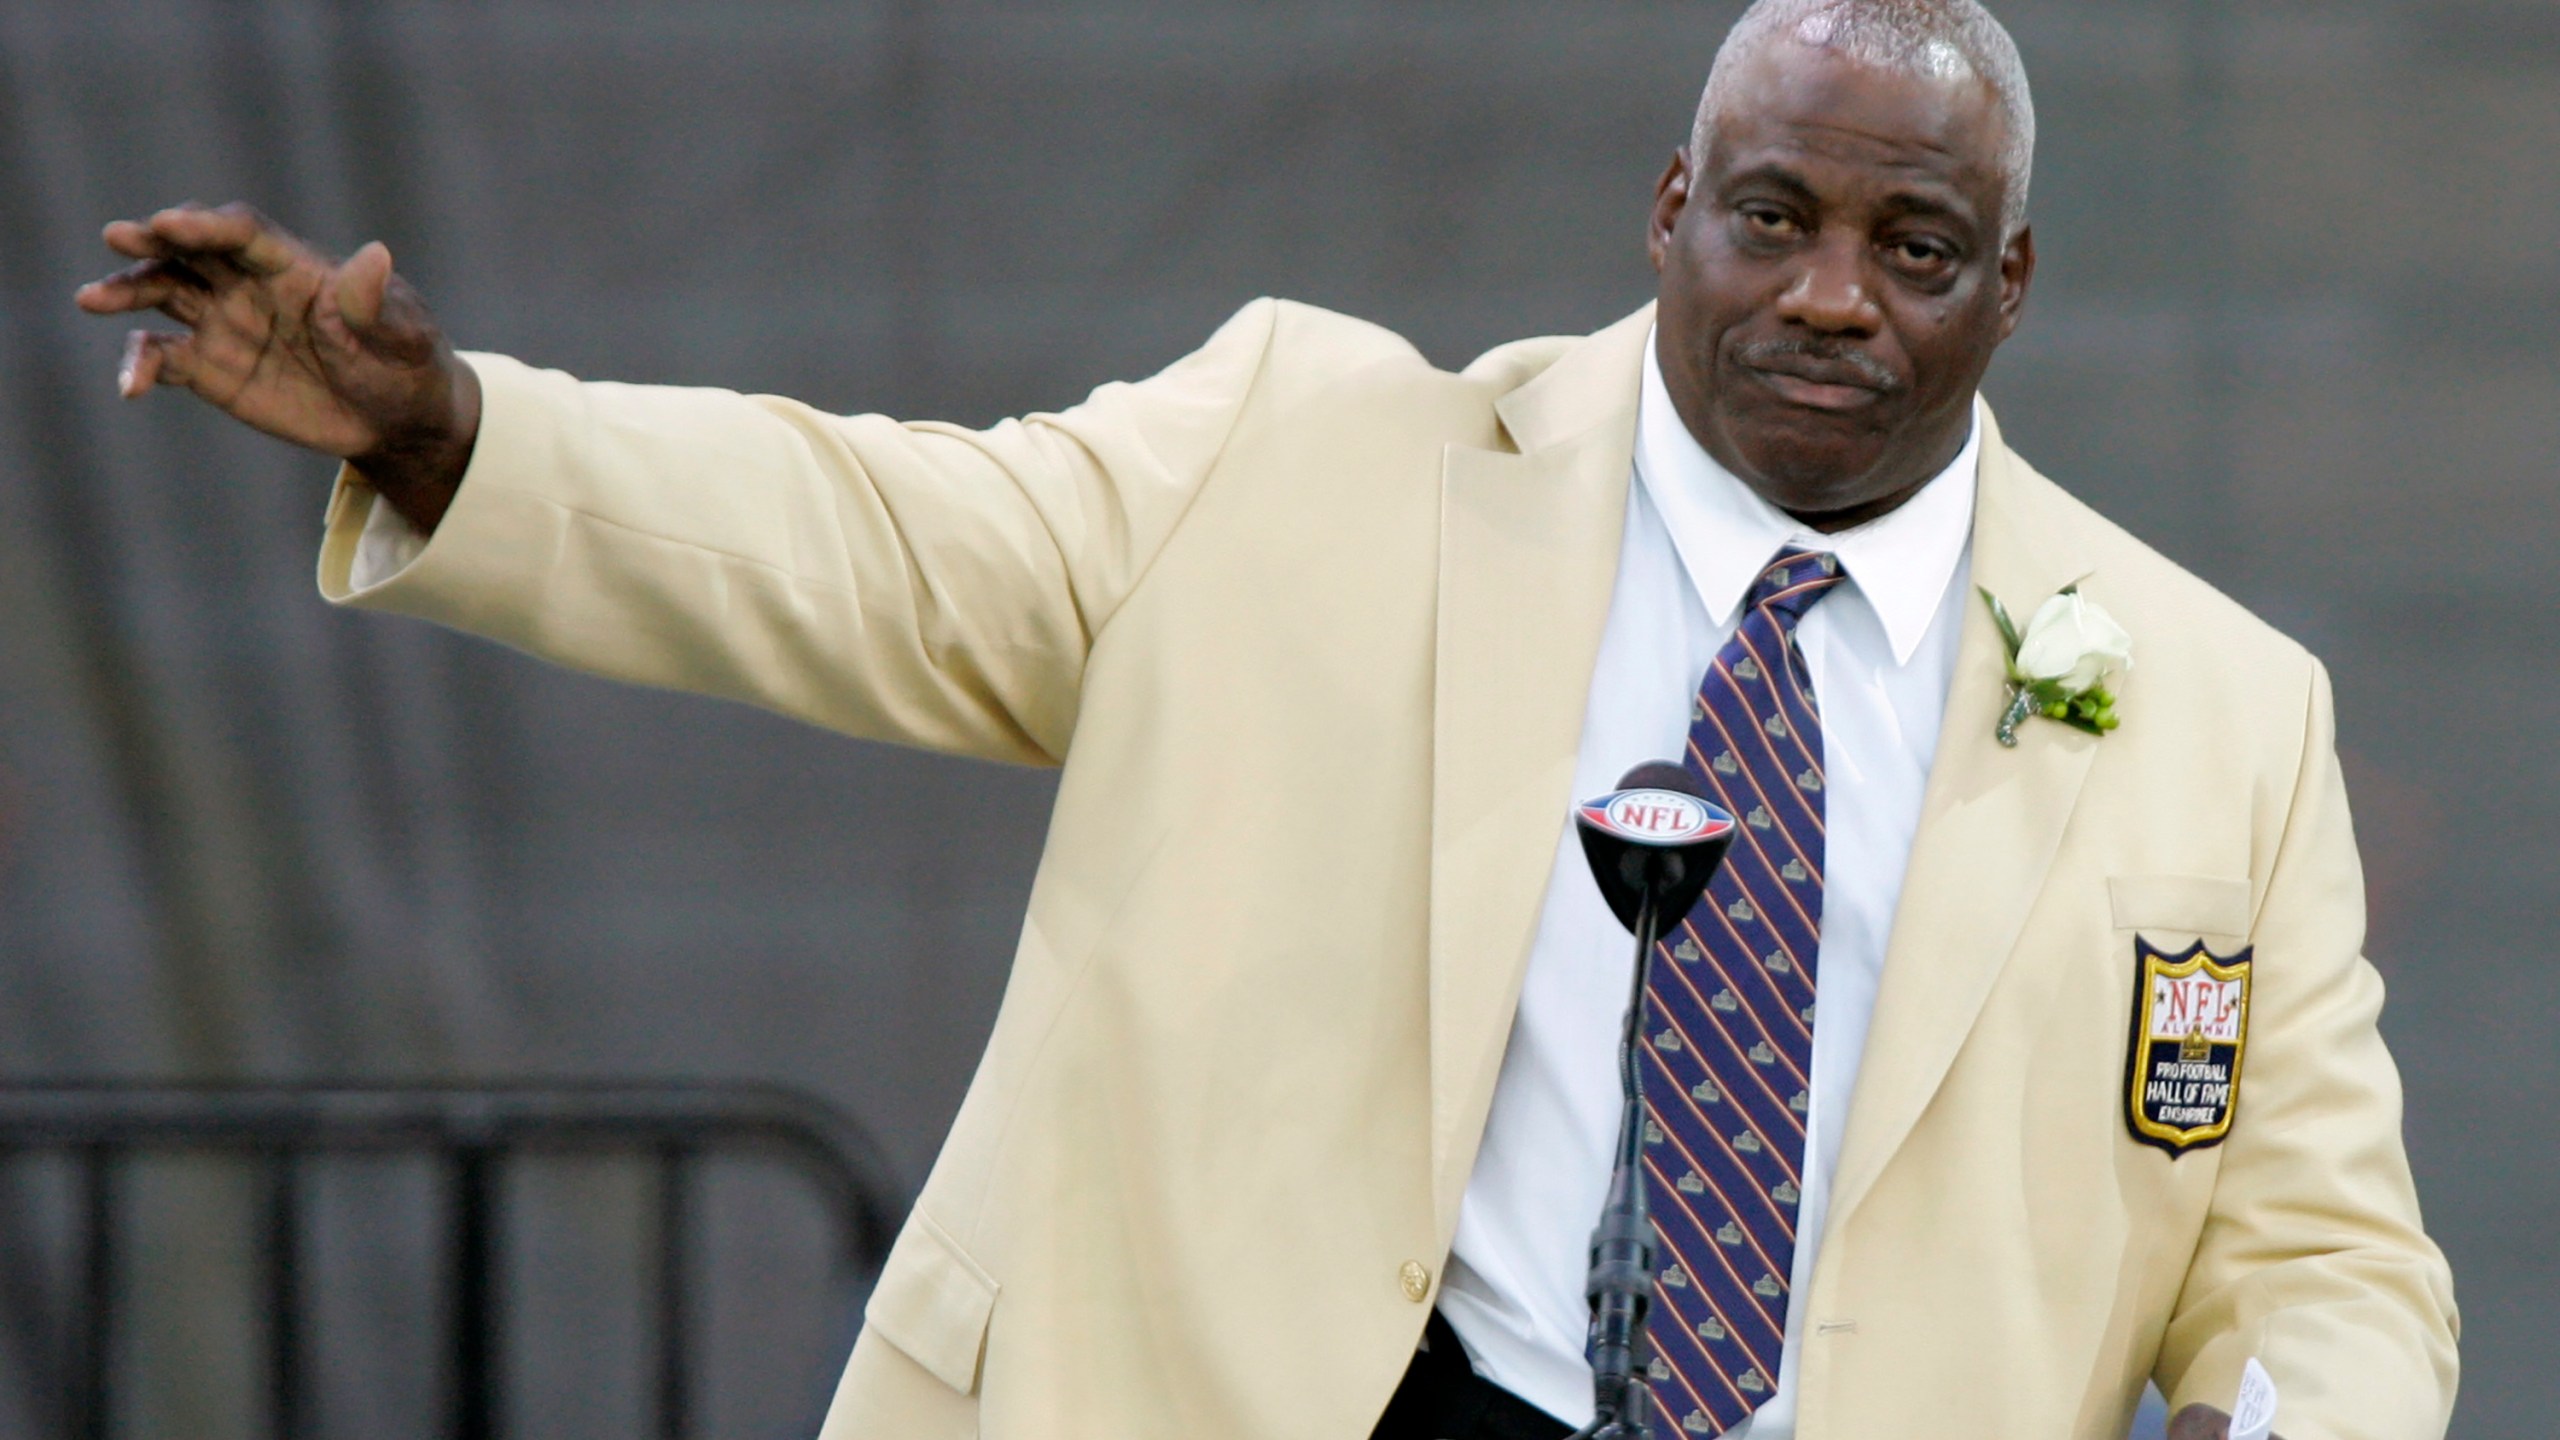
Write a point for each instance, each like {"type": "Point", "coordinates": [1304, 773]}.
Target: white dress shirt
{"type": "Point", "coordinates": [384, 547]}
{"type": "Point", "coordinates": [1882, 650]}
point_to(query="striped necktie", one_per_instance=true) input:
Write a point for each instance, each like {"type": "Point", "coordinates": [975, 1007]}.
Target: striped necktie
{"type": "Point", "coordinates": [1729, 1023]}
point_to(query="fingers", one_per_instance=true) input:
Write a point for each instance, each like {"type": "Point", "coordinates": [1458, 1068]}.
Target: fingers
{"type": "Point", "coordinates": [2199, 1422]}
{"type": "Point", "coordinates": [366, 307]}
{"type": "Point", "coordinates": [233, 234]}
{"type": "Point", "coordinates": [163, 285]}
{"type": "Point", "coordinates": [152, 358]}
{"type": "Point", "coordinates": [133, 238]}
{"type": "Point", "coordinates": [361, 283]}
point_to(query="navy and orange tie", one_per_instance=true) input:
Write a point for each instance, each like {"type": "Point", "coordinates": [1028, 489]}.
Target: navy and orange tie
{"type": "Point", "coordinates": [1728, 1048]}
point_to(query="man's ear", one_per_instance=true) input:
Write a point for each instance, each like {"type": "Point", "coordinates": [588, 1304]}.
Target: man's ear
{"type": "Point", "coordinates": [1670, 197]}
{"type": "Point", "coordinates": [2017, 274]}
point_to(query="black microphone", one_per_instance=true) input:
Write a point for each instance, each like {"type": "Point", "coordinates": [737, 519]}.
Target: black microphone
{"type": "Point", "coordinates": [1653, 843]}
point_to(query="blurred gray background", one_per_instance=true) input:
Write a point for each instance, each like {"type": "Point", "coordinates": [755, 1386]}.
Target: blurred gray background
{"type": "Point", "coordinates": [2294, 325]}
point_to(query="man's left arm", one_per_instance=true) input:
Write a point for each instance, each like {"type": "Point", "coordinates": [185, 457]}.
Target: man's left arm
{"type": "Point", "coordinates": [2312, 1257]}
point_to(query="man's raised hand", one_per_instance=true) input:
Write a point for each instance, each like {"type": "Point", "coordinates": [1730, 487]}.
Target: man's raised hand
{"type": "Point", "coordinates": [338, 356]}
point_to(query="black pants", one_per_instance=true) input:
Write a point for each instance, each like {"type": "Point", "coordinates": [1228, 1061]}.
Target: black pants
{"type": "Point", "coordinates": [1442, 1399]}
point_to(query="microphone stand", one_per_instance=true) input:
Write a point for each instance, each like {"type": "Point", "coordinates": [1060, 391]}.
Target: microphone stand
{"type": "Point", "coordinates": [1654, 844]}
{"type": "Point", "coordinates": [1622, 1245]}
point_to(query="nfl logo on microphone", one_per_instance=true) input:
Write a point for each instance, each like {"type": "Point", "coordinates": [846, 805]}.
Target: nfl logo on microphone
{"type": "Point", "coordinates": [1656, 817]}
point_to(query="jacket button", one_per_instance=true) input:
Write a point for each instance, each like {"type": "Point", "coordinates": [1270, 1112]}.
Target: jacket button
{"type": "Point", "coordinates": [1417, 1281]}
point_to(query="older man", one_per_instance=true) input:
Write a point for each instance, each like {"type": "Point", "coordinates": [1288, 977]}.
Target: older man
{"type": "Point", "coordinates": [1300, 1104]}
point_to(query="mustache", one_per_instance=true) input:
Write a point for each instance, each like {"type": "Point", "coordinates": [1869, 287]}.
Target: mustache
{"type": "Point", "coordinates": [1825, 362]}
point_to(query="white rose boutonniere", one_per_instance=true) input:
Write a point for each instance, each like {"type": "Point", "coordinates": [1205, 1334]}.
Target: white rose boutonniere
{"type": "Point", "coordinates": [2060, 665]}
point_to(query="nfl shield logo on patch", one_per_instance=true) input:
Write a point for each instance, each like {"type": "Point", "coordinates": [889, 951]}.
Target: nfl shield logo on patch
{"type": "Point", "coordinates": [2190, 1034]}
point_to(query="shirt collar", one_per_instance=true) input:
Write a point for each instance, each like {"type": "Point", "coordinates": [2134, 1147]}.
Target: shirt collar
{"type": "Point", "coordinates": [1726, 534]}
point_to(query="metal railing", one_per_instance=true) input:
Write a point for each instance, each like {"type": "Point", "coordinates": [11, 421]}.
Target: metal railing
{"type": "Point", "coordinates": [476, 1131]}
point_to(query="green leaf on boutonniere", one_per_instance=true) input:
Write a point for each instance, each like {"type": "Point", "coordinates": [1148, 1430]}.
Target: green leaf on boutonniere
{"type": "Point", "coordinates": [2000, 617]}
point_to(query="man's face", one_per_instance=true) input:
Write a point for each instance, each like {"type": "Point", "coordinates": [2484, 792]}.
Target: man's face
{"type": "Point", "coordinates": [1833, 279]}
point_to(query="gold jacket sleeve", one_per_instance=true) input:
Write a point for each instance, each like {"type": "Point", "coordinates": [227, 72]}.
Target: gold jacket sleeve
{"type": "Point", "coordinates": [2312, 1257]}
{"type": "Point", "coordinates": [919, 583]}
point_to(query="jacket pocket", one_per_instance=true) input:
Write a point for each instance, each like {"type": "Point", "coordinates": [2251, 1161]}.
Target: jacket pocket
{"type": "Point", "coordinates": [933, 1302]}
{"type": "Point", "coordinates": [2197, 905]}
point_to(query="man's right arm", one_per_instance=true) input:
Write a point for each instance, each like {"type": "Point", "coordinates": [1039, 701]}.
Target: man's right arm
{"type": "Point", "coordinates": [910, 582]}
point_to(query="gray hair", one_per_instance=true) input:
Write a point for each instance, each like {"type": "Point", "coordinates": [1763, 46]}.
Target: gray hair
{"type": "Point", "coordinates": [1943, 38]}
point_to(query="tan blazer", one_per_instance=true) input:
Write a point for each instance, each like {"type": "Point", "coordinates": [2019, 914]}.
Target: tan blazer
{"type": "Point", "coordinates": [1309, 626]}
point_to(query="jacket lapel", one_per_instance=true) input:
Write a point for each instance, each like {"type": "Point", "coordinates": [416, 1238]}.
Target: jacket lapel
{"type": "Point", "coordinates": [1990, 825]}
{"type": "Point", "coordinates": [1528, 557]}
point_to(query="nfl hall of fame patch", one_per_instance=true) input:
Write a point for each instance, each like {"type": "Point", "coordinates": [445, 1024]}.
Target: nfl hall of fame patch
{"type": "Point", "coordinates": [2190, 1035]}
